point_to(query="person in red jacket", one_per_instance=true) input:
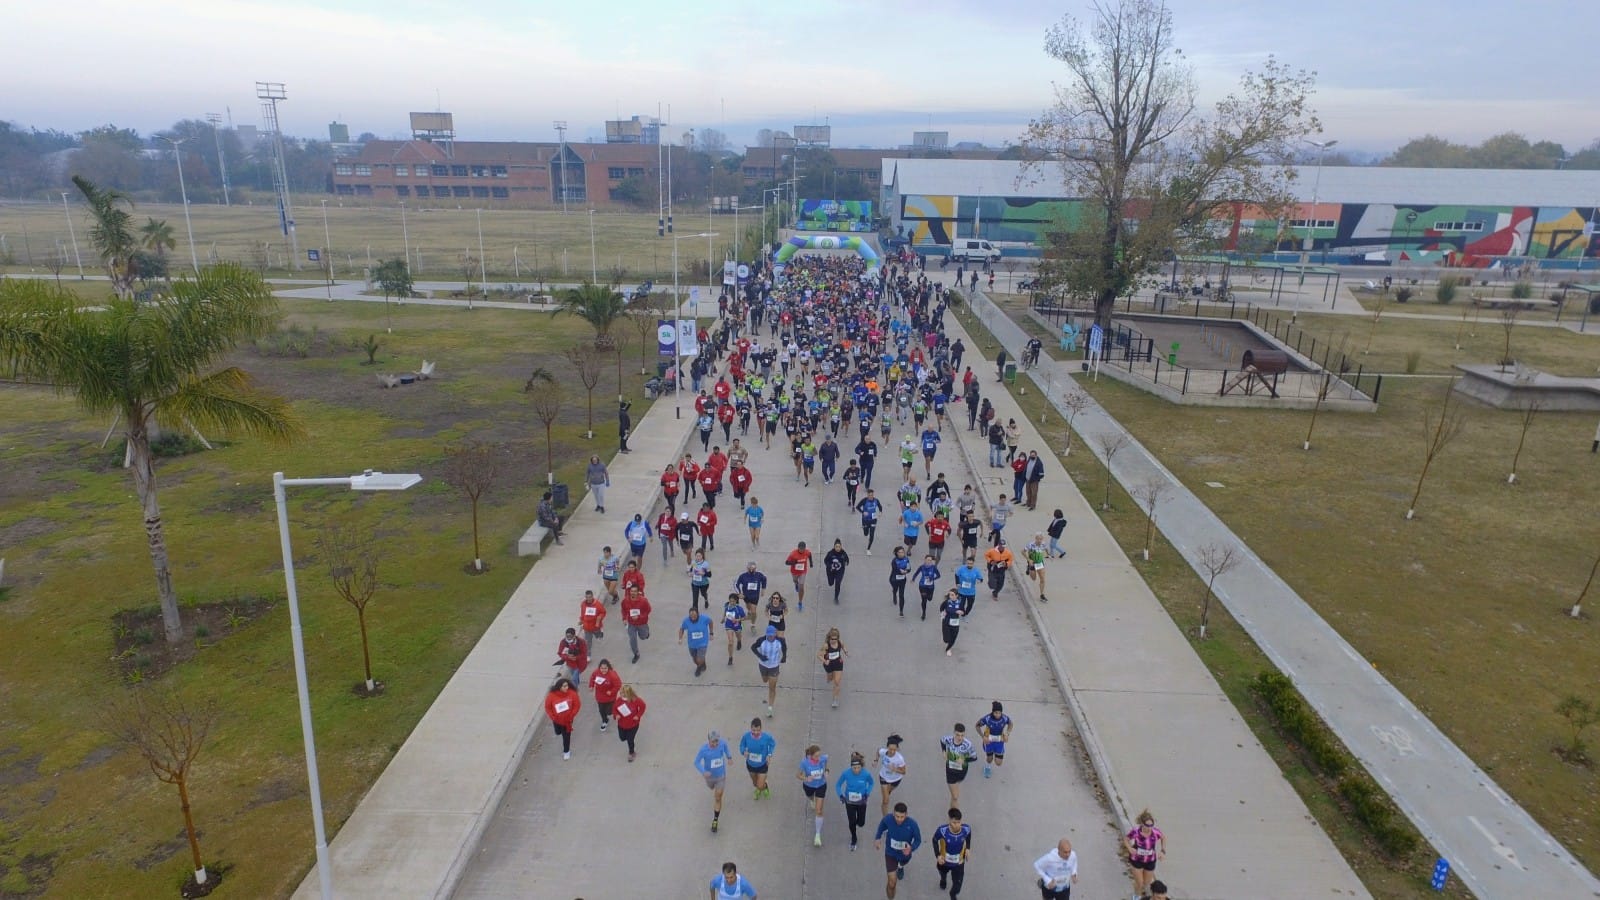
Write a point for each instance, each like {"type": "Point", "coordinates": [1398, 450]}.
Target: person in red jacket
{"type": "Point", "coordinates": [706, 520]}
{"type": "Point", "coordinates": [605, 682]}
{"type": "Point", "coordinates": [670, 483]}
{"type": "Point", "coordinates": [667, 532]}
{"type": "Point", "coordinates": [630, 710]}
{"type": "Point", "coordinates": [740, 477]}
{"type": "Point", "coordinates": [725, 414]}
{"type": "Point", "coordinates": [561, 706]}
{"type": "Point", "coordinates": [632, 576]}
{"type": "Point", "coordinates": [799, 563]}
{"type": "Point", "coordinates": [591, 618]}
{"type": "Point", "coordinates": [717, 460]}
{"type": "Point", "coordinates": [574, 654]}
{"type": "Point", "coordinates": [722, 389]}
{"type": "Point", "coordinates": [711, 484]}
{"type": "Point", "coordinates": [636, 616]}
{"type": "Point", "coordinates": [690, 470]}
{"type": "Point", "coordinates": [938, 529]}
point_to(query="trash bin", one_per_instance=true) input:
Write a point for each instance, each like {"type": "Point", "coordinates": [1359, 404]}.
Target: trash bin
{"type": "Point", "coordinates": [662, 367]}
{"type": "Point", "coordinates": [1011, 373]}
{"type": "Point", "coordinates": [1172, 358]}
{"type": "Point", "coordinates": [560, 496]}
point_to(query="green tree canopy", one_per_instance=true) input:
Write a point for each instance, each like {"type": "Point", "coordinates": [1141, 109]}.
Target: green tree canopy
{"type": "Point", "coordinates": [601, 305]}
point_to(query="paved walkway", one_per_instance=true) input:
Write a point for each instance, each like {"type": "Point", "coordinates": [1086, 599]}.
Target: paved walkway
{"type": "Point", "coordinates": [1495, 847]}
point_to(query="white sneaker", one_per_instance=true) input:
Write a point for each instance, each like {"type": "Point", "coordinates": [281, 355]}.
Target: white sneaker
{"type": "Point", "coordinates": [566, 755]}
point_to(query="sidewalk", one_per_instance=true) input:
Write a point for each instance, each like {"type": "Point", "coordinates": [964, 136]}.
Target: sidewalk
{"type": "Point", "coordinates": [412, 832]}
{"type": "Point", "coordinates": [1158, 728]}
{"type": "Point", "coordinates": [1493, 845]}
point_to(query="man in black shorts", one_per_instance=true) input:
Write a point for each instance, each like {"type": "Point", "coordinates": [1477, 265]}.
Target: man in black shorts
{"type": "Point", "coordinates": [769, 654]}
{"type": "Point", "coordinates": [959, 753]}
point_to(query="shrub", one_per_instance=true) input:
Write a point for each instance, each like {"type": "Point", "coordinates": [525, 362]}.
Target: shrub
{"type": "Point", "coordinates": [1373, 809]}
{"type": "Point", "coordinates": [1413, 359]}
{"type": "Point", "coordinates": [1521, 290]}
{"type": "Point", "coordinates": [1404, 295]}
{"type": "Point", "coordinates": [1446, 290]}
{"type": "Point", "coordinates": [1299, 723]}
{"type": "Point", "coordinates": [371, 346]}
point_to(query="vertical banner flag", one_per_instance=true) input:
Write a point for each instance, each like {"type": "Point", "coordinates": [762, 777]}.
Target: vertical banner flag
{"type": "Point", "coordinates": [666, 338]}
{"type": "Point", "coordinates": [730, 272]}
{"type": "Point", "coordinates": [688, 337]}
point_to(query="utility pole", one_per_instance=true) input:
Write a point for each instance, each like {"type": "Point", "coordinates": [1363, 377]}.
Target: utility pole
{"type": "Point", "coordinates": [222, 161]}
{"type": "Point", "coordinates": [74, 234]}
{"type": "Point", "coordinates": [183, 192]}
{"type": "Point", "coordinates": [561, 157]}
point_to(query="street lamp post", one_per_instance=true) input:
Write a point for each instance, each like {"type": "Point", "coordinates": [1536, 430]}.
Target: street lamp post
{"type": "Point", "coordinates": [483, 263]}
{"type": "Point", "coordinates": [75, 255]}
{"type": "Point", "coordinates": [677, 328]}
{"type": "Point", "coordinates": [367, 481]}
{"type": "Point", "coordinates": [183, 192]}
{"type": "Point", "coordinates": [1311, 223]}
{"type": "Point", "coordinates": [327, 248]}
{"type": "Point", "coordinates": [405, 235]}
{"type": "Point", "coordinates": [594, 266]}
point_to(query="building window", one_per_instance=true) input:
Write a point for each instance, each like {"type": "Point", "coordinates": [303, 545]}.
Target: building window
{"type": "Point", "coordinates": [499, 172]}
{"type": "Point", "coordinates": [635, 172]}
{"type": "Point", "coordinates": [749, 171]}
{"type": "Point", "coordinates": [441, 192]}
{"type": "Point", "coordinates": [341, 169]}
{"type": "Point", "coordinates": [364, 190]}
{"type": "Point", "coordinates": [439, 170]}
{"type": "Point", "coordinates": [480, 171]}
{"type": "Point", "coordinates": [1312, 223]}
{"type": "Point", "coordinates": [499, 193]}
{"type": "Point", "coordinates": [458, 171]}
{"type": "Point", "coordinates": [1458, 226]}
{"type": "Point", "coordinates": [363, 170]}
{"type": "Point", "coordinates": [402, 190]}
{"type": "Point", "coordinates": [616, 173]}
{"type": "Point", "coordinates": [402, 171]}
{"type": "Point", "coordinates": [343, 189]}
{"type": "Point", "coordinates": [481, 192]}
{"type": "Point", "coordinates": [461, 191]}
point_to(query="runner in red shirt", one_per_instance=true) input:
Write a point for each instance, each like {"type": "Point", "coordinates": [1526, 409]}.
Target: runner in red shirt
{"type": "Point", "coordinates": [799, 563]}
{"type": "Point", "coordinates": [591, 617]}
{"type": "Point", "coordinates": [667, 532]}
{"type": "Point", "coordinates": [717, 460]}
{"type": "Point", "coordinates": [722, 389]}
{"type": "Point", "coordinates": [938, 529]}
{"type": "Point", "coordinates": [632, 577]}
{"type": "Point", "coordinates": [741, 479]}
{"type": "Point", "coordinates": [630, 710]}
{"type": "Point", "coordinates": [690, 470]}
{"type": "Point", "coordinates": [605, 682]}
{"type": "Point", "coordinates": [671, 481]}
{"type": "Point", "coordinates": [561, 707]}
{"type": "Point", "coordinates": [636, 616]}
{"type": "Point", "coordinates": [573, 653]}
{"type": "Point", "coordinates": [707, 520]}
{"type": "Point", "coordinates": [725, 414]}
{"type": "Point", "coordinates": [711, 483]}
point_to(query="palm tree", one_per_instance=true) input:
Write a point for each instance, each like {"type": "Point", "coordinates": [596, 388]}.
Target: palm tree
{"type": "Point", "coordinates": [157, 237]}
{"type": "Point", "coordinates": [601, 305]}
{"type": "Point", "coordinates": [112, 234]}
{"type": "Point", "coordinates": [150, 364]}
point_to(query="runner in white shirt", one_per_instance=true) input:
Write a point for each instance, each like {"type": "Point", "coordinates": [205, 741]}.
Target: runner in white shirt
{"type": "Point", "coordinates": [891, 768]}
{"type": "Point", "coordinates": [1058, 872]}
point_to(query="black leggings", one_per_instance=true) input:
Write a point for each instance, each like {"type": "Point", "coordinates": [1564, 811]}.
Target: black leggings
{"type": "Point", "coordinates": [870, 532]}
{"type": "Point", "coordinates": [566, 737]}
{"type": "Point", "coordinates": [605, 711]}
{"type": "Point", "coordinates": [698, 592]}
{"type": "Point", "coordinates": [837, 580]}
{"type": "Point", "coordinates": [626, 736]}
{"type": "Point", "coordinates": [951, 632]}
{"type": "Point", "coordinates": [899, 590]}
{"type": "Point", "coordinates": [957, 873]}
{"type": "Point", "coordinates": [856, 815]}
{"type": "Point", "coordinates": [927, 597]}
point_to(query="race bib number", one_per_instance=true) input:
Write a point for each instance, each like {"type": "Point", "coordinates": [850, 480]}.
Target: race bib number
{"type": "Point", "coordinates": [952, 859]}
{"type": "Point", "coordinates": [563, 706]}
{"type": "Point", "coordinates": [955, 620]}
{"type": "Point", "coordinates": [899, 846]}
{"type": "Point", "coordinates": [853, 796]}
{"type": "Point", "coordinates": [624, 710]}
{"type": "Point", "coordinates": [756, 759]}
{"type": "Point", "coordinates": [635, 613]}
{"type": "Point", "coordinates": [1037, 566]}
{"type": "Point", "coordinates": [955, 764]}
{"type": "Point", "coordinates": [716, 762]}
{"type": "Point", "coordinates": [800, 568]}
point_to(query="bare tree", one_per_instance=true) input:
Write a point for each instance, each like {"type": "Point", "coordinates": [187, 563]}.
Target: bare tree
{"type": "Point", "coordinates": [1529, 410]}
{"type": "Point", "coordinates": [352, 558]}
{"type": "Point", "coordinates": [1110, 443]}
{"type": "Point", "coordinates": [1075, 402]}
{"type": "Point", "coordinates": [619, 344]}
{"type": "Point", "coordinates": [1322, 394]}
{"type": "Point", "coordinates": [1438, 430]}
{"type": "Point", "coordinates": [1577, 606]}
{"type": "Point", "coordinates": [1216, 561]}
{"type": "Point", "coordinates": [472, 467]}
{"type": "Point", "coordinates": [1508, 321]}
{"type": "Point", "coordinates": [55, 262]}
{"type": "Point", "coordinates": [1379, 301]}
{"type": "Point", "coordinates": [586, 360]}
{"type": "Point", "coordinates": [168, 732]}
{"type": "Point", "coordinates": [547, 394]}
{"type": "Point", "coordinates": [469, 267]}
{"type": "Point", "coordinates": [1149, 494]}
{"type": "Point", "coordinates": [646, 313]}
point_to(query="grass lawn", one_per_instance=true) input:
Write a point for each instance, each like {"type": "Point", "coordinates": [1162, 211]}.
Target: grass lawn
{"type": "Point", "coordinates": [81, 817]}
{"type": "Point", "coordinates": [1464, 608]}
{"type": "Point", "coordinates": [516, 243]}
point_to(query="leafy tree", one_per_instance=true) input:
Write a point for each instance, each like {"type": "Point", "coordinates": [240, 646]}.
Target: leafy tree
{"type": "Point", "coordinates": [1126, 135]}
{"type": "Point", "coordinates": [157, 236]}
{"type": "Point", "coordinates": [151, 364]}
{"type": "Point", "coordinates": [601, 305]}
{"type": "Point", "coordinates": [112, 233]}
{"type": "Point", "coordinates": [1587, 158]}
{"type": "Point", "coordinates": [393, 277]}
{"type": "Point", "coordinates": [1430, 152]}
{"type": "Point", "coordinates": [109, 156]}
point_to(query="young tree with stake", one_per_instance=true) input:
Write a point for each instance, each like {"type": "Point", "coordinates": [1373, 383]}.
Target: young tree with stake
{"type": "Point", "coordinates": [1075, 402]}
{"type": "Point", "coordinates": [546, 394]}
{"type": "Point", "coordinates": [1437, 432]}
{"type": "Point", "coordinates": [1529, 410]}
{"type": "Point", "coordinates": [472, 468]}
{"type": "Point", "coordinates": [1149, 494]}
{"type": "Point", "coordinates": [1216, 561]}
{"type": "Point", "coordinates": [168, 732]}
{"type": "Point", "coordinates": [352, 557]}
{"type": "Point", "coordinates": [1111, 442]}
{"type": "Point", "coordinates": [585, 361]}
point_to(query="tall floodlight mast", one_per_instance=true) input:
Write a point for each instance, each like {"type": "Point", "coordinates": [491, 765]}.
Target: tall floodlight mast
{"type": "Point", "coordinates": [270, 92]}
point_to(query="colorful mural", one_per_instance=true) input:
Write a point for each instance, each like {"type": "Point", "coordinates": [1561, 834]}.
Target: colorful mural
{"type": "Point", "coordinates": [835, 215]}
{"type": "Point", "coordinates": [1347, 233]}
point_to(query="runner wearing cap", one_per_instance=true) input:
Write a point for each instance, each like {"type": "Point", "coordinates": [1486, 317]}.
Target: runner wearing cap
{"type": "Point", "coordinates": [854, 787]}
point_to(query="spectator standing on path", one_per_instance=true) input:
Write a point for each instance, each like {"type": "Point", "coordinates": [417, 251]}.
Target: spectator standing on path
{"type": "Point", "coordinates": [636, 616]}
{"type": "Point", "coordinates": [606, 683]}
{"type": "Point", "coordinates": [997, 445]}
{"type": "Point", "coordinates": [904, 837]}
{"type": "Point", "coordinates": [730, 885]}
{"type": "Point", "coordinates": [999, 363]}
{"type": "Point", "coordinates": [891, 770]}
{"type": "Point", "coordinates": [833, 565]}
{"type": "Point", "coordinates": [813, 778]}
{"type": "Point", "coordinates": [756, 747]}
{"type": "Point", "coordinates": [696, 631]}
{"type": "Point", "coordinates": [1013, 438]}
{"type": "Point", "coordinates": [959, 754]}
{"type": "Point", "coordinates": [952, 845]}
{"type": "Point", "coordinates": [561, 706]}
{"type": "Point", "coordinates": [971, 394]}
{"type": "Point", "coordinates": [1144, 844]}
{"type": "Point", "coordinates": [957, 350]}
{"type": "Point", "coordinates": [1033, 473]}
{"type": "Point", "coordinates": [995, 730]}
{"type": "Point", "coordinates": [1057, 871]}
{"type": "Point", "coordinates": [951, 612]}
{"type": "Point", "coordinates": [1056, 528]}
{"type": "Point", "coordinates": [591, 618]}
{"type": "Point", "coordinates": [770, 651]}
{"type": "Point", "coordinates": [854, 787]}
{"type": "Point", "coordinates": [1019, 476]}
{"type": "Point", "coordinates": [573, 653]}
{"type": "Point", "coordinates": [624, 425]}
{"type": "Point", "coordinates": [712, 764]}
{"type": "Point", "coordinates": [598, 479]}
{"type": "Point", "coordinates": [630, 712]}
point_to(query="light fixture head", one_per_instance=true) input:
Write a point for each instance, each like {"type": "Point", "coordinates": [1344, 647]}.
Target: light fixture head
{"type": "Point", "coordinates": [383, 481]}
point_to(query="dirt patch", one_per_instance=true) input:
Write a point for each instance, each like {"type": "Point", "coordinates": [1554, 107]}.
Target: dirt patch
{"type": "Point", "coordinates": [141, 651]}
{"type": "Point", "coordinates": [161, 852]}
{"type": "Point", "coordinates": [20, 771]}
{"type": "Point", "coordinates": [33, 870]}
{"type": "Point", "coordinates": [272, 791]}
{"type": "Point", "coordinates": [25, 530]}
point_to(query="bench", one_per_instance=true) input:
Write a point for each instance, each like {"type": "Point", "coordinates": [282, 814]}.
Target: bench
{"type": "Point", "coordinates": [532, 541]}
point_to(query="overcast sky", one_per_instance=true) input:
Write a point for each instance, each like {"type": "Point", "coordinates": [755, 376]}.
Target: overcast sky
{"type": "Point", "coordinates": [508, 68]}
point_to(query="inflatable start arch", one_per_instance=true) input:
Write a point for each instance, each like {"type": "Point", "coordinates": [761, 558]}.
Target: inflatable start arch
{"type": "Point", "coordinates": [825, 242]}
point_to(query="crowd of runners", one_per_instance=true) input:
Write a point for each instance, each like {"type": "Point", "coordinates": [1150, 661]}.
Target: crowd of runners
{"type": "Point", "coordinates": [838, 369]}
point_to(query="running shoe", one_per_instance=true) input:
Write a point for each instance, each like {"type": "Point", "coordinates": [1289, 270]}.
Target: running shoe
{"type": "Point", "coordinates": [566, 755]}
{"type": "Point", "coordinates": [835, 704]}
{"type": "Point", "coordinates": [986, 771]}
{"type": "Point", "coordinates": [602, 726]}
{"type": "Point", "coordinates": [769, 711]}
{"type": "Point", "coordinates": [713, 826]}
{"type": "Point", "coordinates": [852, 845]}
{"type": "Point", "coordinates": [816, 841]}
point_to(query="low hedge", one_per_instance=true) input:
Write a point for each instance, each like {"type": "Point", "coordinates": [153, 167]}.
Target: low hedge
{"type": "Point", "coordinates": [1302, 727]}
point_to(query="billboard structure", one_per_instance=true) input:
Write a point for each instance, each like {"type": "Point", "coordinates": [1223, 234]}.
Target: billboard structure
{"type": "Point", "coordinates": [835, 215]}
{"type": "Point", "coordinates": [813, 135]}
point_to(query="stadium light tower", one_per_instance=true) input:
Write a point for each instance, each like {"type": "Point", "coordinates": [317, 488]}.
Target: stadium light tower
{"type": "Point", "coordinates": [269, 93]}
{"type": "Point", "coordinates": [222, 160]}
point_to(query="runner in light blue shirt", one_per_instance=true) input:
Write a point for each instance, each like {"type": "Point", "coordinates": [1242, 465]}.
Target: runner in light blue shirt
{"type": "Point", "coordinates": [712, 764]}
{"type": "Point", "coordinates": [730, 885]}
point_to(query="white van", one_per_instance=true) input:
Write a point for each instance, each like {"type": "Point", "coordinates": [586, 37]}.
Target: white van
{"type": "Point", "coordinates": [970, 250]}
